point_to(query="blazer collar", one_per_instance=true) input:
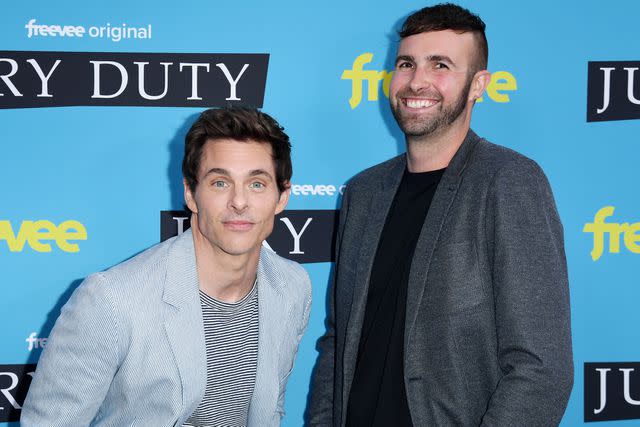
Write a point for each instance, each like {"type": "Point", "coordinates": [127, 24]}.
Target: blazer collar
{"type": "Point", "coordinates": [430, 232]}
{"type": "Point", "coordinates": [185, 329]}
{"type": "Point", "coordinates": [272, 312]}
{"type": "Point", "coordinates": [183, 321]}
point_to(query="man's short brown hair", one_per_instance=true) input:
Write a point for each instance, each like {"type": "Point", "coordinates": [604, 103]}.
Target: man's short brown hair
{"type": "Point", "coordinates": [240, 124]}
{"type": "Point", "coordinates": [448, 16]}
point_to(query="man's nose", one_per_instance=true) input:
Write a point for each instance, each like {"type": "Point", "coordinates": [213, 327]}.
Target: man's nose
{"type": "Point", "coordinates": [238, 199]}
{"type": "Point", "coordinates": [420, 79]}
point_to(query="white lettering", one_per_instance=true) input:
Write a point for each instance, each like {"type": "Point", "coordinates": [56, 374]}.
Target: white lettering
{"type": "Point", "coordinates": [142, 91]}
{"type": "Point", "coordinates": [232, 82]}
{"type": "Point", "coordinates": [626, 372]}
{"type": "Point", "coordinates": [607, 89]}
{"type": "Point", "coordinates": [96, 79]}
{"type": "Point", "coordinates": [296, 236]}
{"type": "Point", "coordinates": [180, 220]}
{"type": "Point", "coordinates": [630, 78]}
{"type": "Point", "coordinates": [603, 389]}
{"type": "Point", "coordinates": [5, 391]}
{"type": "Point", "coordinates": [44, 79]}
{"type": "Point", "coordinates": [5, 78]}
{"type": "Point", "coordinates": [194, 77]}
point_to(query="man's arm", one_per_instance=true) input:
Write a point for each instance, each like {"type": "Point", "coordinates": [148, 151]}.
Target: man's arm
{"type": "Point", "coordinates": [79, 362]}
{"type": "Point", "coordinates": [320, 411]}
{"type": "Point", "coordinates": [531, 296]}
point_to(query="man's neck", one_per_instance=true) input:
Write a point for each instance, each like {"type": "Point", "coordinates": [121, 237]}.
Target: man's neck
{"type": "Point", "coordinates": [223, 276]}
{"type": "Point", "coordinates": [435, 151]}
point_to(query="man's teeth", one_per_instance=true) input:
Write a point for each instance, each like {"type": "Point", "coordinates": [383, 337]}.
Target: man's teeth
{"type": "Point", "coordinates": [420, 103]}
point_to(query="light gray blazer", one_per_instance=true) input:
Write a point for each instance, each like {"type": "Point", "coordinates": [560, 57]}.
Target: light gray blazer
{"type": "Point", "coordinates": [128, 348]}
{"type": "Point", "coordinates": [487, 338]}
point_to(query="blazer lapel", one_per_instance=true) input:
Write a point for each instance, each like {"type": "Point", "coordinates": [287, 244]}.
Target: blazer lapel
{"type": "Point", "coordinates": [382, 197]}
{"type": "Point", "coordinates": [183, 321]}
{"type": "Point", "coordinates": [442, 200]}
{"type": "Point", "coordinates": [271, 318]}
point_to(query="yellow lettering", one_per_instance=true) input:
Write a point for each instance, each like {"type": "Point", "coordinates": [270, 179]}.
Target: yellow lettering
{"type": "Point", "coordinates": [64, 235]}
{"type": "Point", "coordinates": [15, 243]}
{"type": "Point", "coordinates": [386, 83]}
{"type": "Point", "coordinates": [631, 237]}
{"type": "Point", "coordinates": [357, 75]}
{"type": "Point", "coordinates": [36, 233]}
{"type": "Point", "coordinates": [501, 81]}
{"type": "Point", "coordinates": [598, 228]}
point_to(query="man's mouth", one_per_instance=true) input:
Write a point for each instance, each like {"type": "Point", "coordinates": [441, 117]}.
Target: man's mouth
{"type": "Point", "coordinates": [238, 225]}
{"type": "Point", "coordinates": [418, 103]}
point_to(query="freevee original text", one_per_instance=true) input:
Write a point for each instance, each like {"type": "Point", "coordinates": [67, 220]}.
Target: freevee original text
{"type": "Point", "coordinates": [31, 79]}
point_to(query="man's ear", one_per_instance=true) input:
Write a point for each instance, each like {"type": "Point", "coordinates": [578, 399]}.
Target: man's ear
{"type": "Point", "coordinates": [189, 198]}
{"type": "Point", "coordinates": [284, 199]}
{"type": "Point", "coordinates": [479, 84]}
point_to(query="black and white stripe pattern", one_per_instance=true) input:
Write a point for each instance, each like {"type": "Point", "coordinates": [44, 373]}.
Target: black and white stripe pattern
{"type": "Point", "coordinates": [231, 339]}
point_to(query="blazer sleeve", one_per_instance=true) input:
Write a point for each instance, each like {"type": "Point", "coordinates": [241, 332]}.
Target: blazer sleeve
{"type": "Point", "coordinates": [531, 296]}
{"type": "Point", "coordinates": [79, 362]}
{"type": "Point", "coordinates": [320, 410]}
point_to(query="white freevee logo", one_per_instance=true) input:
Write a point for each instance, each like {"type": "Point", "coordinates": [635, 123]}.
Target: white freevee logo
{"type": "Point", "coordinates": [34, 342]}
{"type": "Point", "coordinates": [114, 33]}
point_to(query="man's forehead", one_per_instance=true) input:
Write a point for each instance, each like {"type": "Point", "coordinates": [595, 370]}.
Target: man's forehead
{"type": "Point", "coordinates": [237, 156]}
{"type": "Point", "coordinates": [445, 42]}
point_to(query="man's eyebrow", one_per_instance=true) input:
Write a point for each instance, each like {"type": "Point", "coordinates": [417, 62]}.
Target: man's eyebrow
{"type": "Point", "coordinates": [217, 171]}
{"type": "Point", "coordinates": [260, 172]}
{"type": "Point", "coordinates": [222, 171]}
{"type": "Point", "coordinates": [408, 58]}
{"type": "Point", "coordinates": [440, 58]}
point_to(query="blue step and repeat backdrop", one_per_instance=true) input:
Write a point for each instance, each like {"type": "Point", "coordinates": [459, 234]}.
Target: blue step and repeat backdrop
{"type": "Point", "coordinates": [95, 100]}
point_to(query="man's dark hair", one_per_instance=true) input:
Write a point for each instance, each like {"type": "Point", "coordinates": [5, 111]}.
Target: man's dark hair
{"type": "Point", "coordinates": [240, 124]}
{"type": "Point", "coordinates": [448, 16]}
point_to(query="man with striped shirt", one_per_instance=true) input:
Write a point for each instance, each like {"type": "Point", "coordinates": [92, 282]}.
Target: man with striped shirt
{"type": "Point", "coordinates": [200, 330]}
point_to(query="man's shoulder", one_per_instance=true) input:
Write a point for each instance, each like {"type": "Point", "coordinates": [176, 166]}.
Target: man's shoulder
{"type": "Point", "coordinates": [287, 273]}
{"type": "Point", "coordinates": [500, 159]}
{"type": "Point", "coordinates": [148, 266]}
{"type": "Point", "coordinates": [375, 174]}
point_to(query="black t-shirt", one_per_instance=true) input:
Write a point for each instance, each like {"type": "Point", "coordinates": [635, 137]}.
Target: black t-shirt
{"type": "Point", "coordinates": [378, 396]}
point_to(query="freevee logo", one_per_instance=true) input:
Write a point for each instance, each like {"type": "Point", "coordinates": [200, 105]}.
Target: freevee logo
{"type": "Point", "coordinates": [57, 79]}
{"type": "Point", "coordinates": [14, 384]}
{"type": "Point", "coordinates": [36, 233]}
{"type": "Point", "coordinates": [630, 233]}
{"type": "Point", "coordinates": [501, 81]}
{"type": "Point", "coordinates": [611, 391]}
{"type": "Point", "coordinates": [612, 93]}
{"type": "Point", "coordinates": [317, 189]}
{"type": "Point", "coordinates": [115, 33]}
{"type": "Point", "coordinates": [304, 236]}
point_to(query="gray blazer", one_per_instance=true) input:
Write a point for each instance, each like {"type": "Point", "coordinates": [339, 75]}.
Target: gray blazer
{"type": "Point", "coordinates": [128, 348]}
{"type": "Point", "coordinates": [487, 330]}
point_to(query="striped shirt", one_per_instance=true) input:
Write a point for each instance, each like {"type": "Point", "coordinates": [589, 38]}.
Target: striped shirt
{"type": "Point", "coordinates": [231, 339]}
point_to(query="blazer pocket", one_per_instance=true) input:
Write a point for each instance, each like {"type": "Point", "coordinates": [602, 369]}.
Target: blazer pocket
{"type": "Point", "coordinates": [453, 281]}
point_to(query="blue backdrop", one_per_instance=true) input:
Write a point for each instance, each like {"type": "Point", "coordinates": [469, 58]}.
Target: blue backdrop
{"type": "Point", "coordinates": [114, 168]}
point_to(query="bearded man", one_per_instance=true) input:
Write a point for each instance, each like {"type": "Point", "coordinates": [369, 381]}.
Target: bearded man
{"type": "Point", "coordinates": [449, 303]}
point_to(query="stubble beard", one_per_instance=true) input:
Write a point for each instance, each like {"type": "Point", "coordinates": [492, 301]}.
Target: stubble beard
{"type": "Point", "coordinates": [418, 126]}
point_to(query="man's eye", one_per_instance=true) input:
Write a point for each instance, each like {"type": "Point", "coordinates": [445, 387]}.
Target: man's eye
{"type": "Point", "coordinates": [404, 65]}
{"type": "Point", "coordinates": [257, 185]}
{"type": "Point", "coordinates": [219, 184]}
{"type": "Point", "coordinates": [442, 66]}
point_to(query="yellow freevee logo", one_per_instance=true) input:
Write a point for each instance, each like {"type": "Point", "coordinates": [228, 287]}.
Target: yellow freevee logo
{"type": "Point", "coordinates": [501, 81]}
{"type": "Point", "coordinates": [599, 228]}
{"type": "Point", "coordinates": [36, 233]}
